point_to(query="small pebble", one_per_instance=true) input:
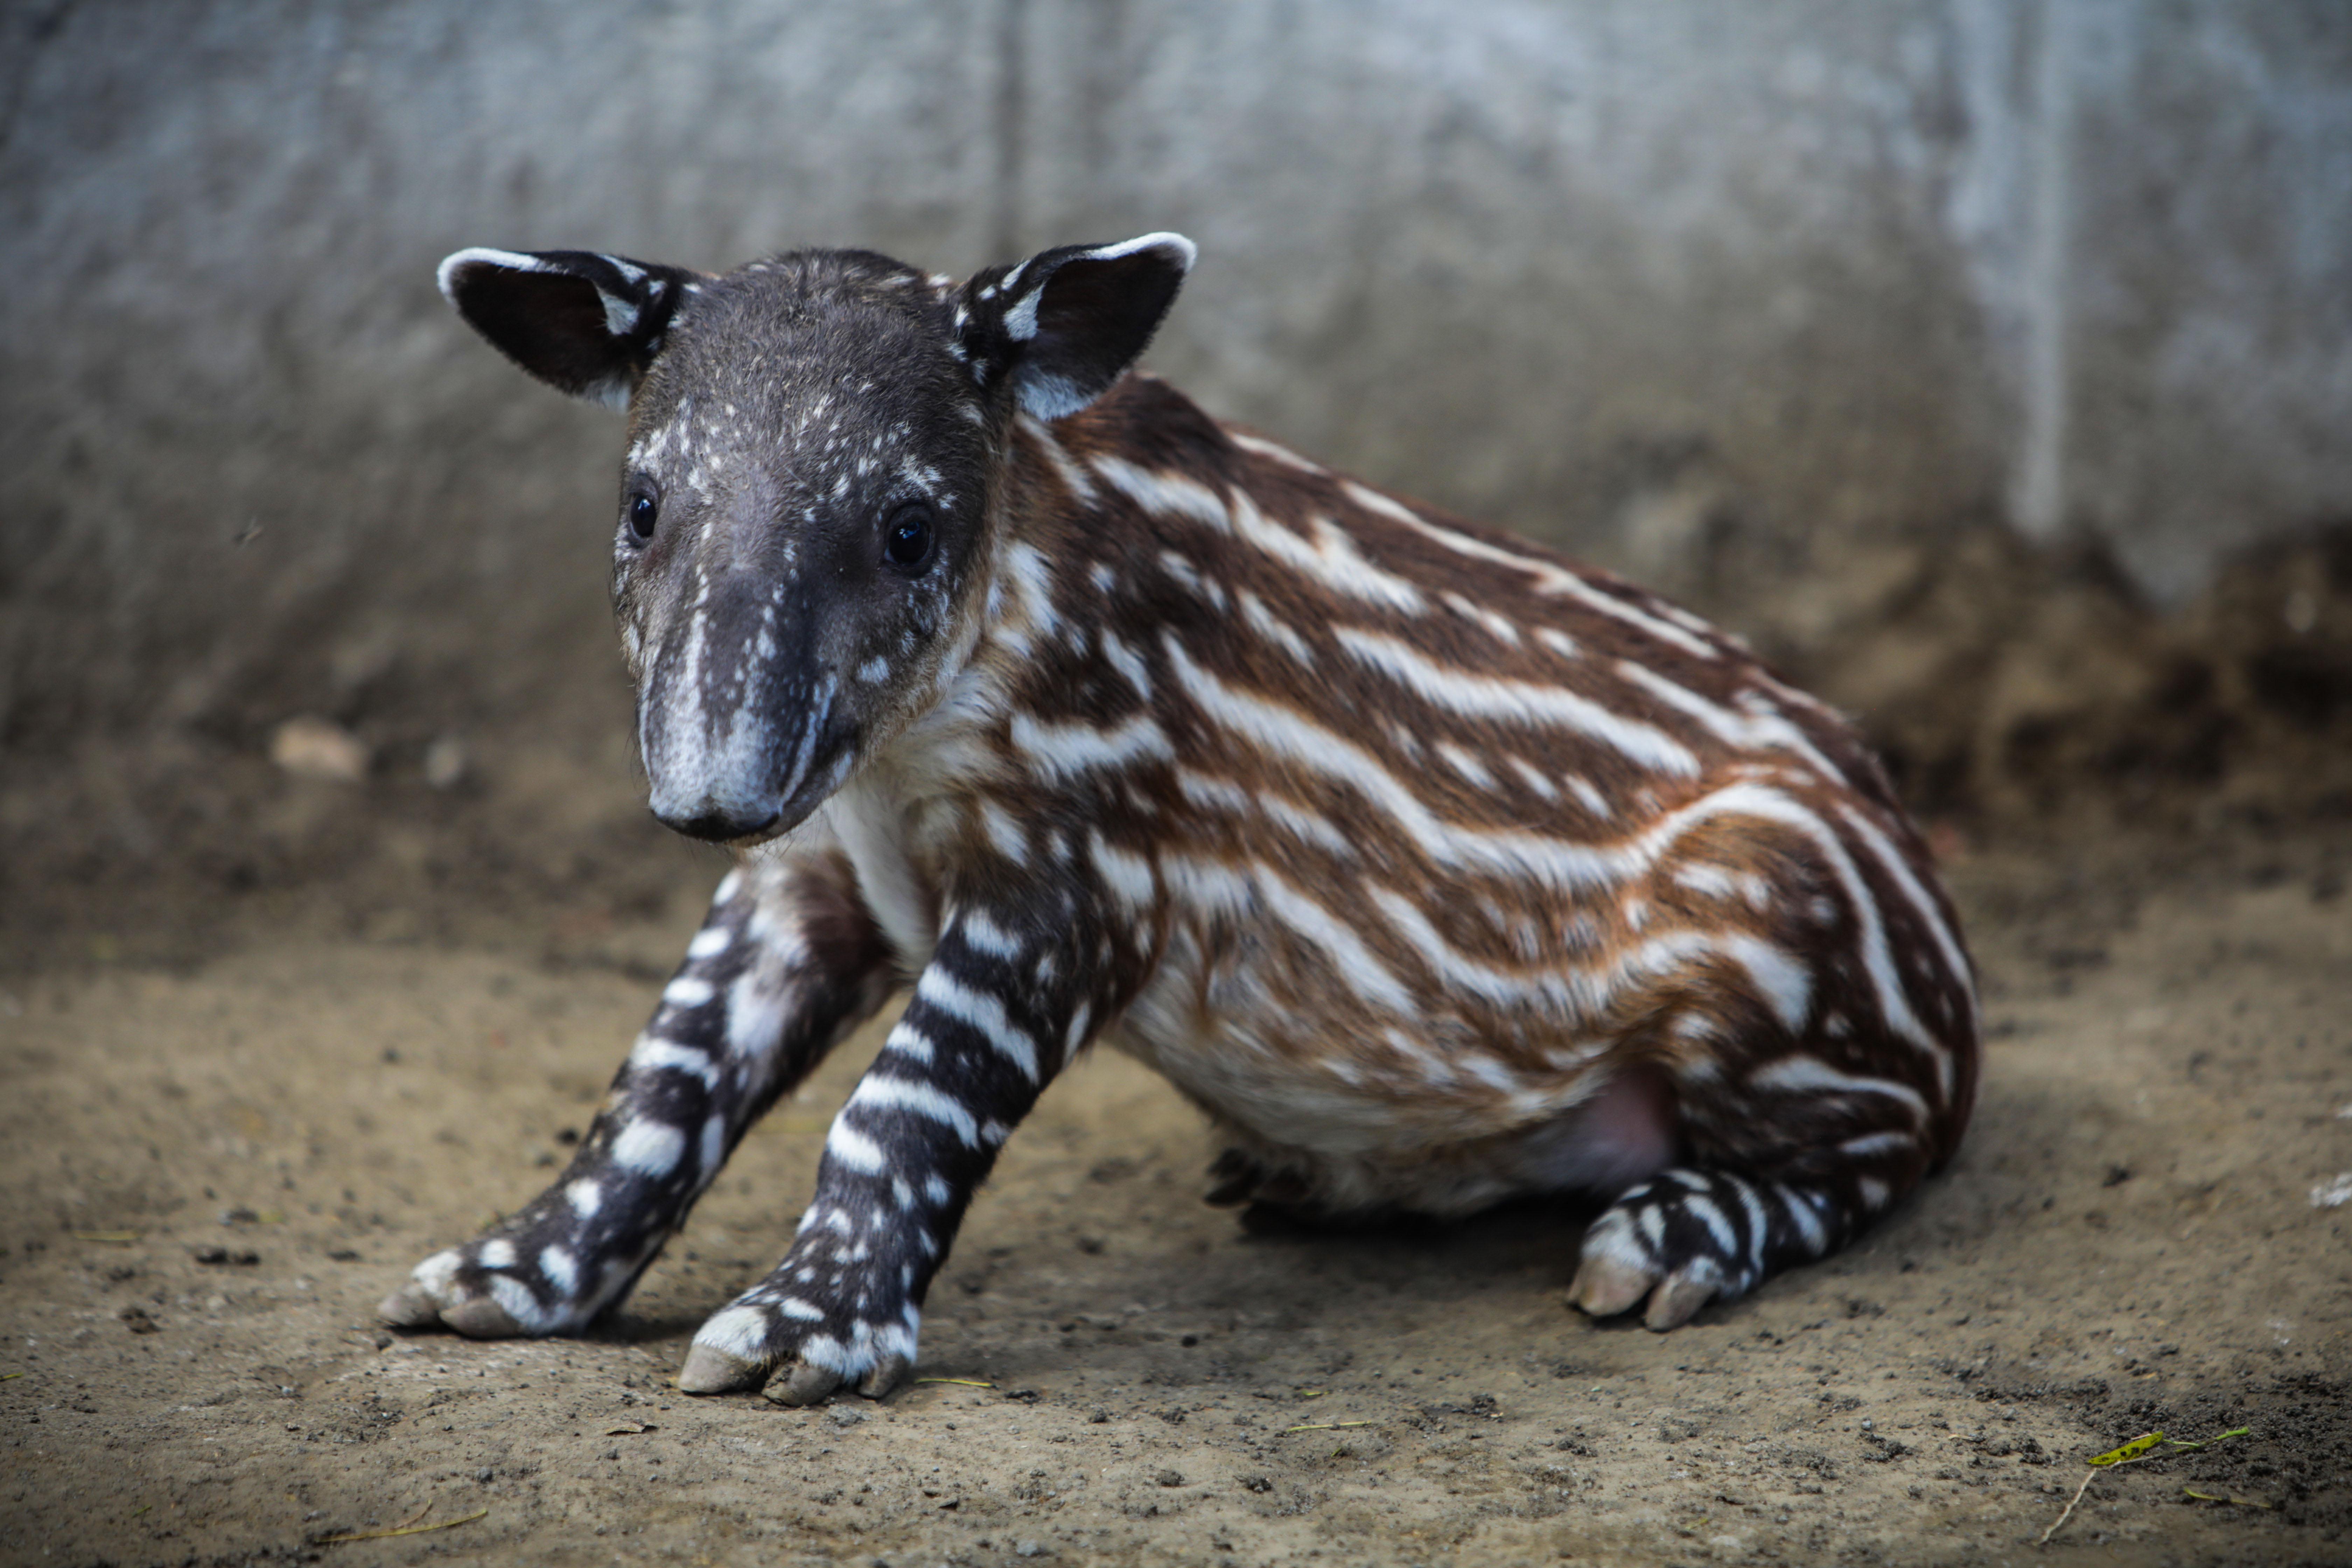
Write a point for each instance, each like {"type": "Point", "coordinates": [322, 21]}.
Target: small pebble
{"type": "Point", "coordinates": [317, 748]}
{"type": "Point", "coordinates": [445, 762]}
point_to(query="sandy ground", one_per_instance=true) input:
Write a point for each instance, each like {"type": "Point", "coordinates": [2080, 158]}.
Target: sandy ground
{"type": "Point", "coordinates": [221, 1145]}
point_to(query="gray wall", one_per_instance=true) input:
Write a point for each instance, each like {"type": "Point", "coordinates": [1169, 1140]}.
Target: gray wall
{"type": "Point", "coordinates": [1729, 294]}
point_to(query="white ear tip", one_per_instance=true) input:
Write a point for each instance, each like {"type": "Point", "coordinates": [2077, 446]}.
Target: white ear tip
{"type": "Point", "coordinates": [1183, 251]}
{"type": "Point", "coordinates": [446, 275]}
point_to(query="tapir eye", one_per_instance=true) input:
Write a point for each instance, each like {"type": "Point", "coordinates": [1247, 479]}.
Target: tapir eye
{"type": "Point", "coordinates": [644, 510]}
{"type": "Point", "coordinates": [906, 538]}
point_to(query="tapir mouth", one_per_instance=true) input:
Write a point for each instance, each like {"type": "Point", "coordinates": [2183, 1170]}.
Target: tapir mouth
{"type": "Point", "coordinates": [719, 825]}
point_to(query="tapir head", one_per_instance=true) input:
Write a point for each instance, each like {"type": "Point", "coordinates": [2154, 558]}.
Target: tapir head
{"type": "Point", "coordinates": [810, 506]}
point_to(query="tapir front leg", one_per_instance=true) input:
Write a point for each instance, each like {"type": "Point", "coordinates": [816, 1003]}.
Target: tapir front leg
{"type": "Point", "coordinates": [788, 962]}
{"type": "Point", "coordinates": [988, 1027]}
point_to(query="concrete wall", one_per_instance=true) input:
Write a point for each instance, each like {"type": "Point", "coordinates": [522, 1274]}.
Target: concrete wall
{"type": "Point", "coordinates": [1729, 294]}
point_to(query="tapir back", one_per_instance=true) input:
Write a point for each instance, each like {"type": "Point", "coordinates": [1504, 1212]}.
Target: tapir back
{"type": "Point", "coordinates": [1386, 806]}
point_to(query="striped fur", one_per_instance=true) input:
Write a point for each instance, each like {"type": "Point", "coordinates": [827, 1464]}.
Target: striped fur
{"type": "Point", "coordinates": [1434, 867]}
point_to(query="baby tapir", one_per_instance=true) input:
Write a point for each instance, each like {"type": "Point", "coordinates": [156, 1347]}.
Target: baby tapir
{"type": "Point", "coordinates": [1434, 867]}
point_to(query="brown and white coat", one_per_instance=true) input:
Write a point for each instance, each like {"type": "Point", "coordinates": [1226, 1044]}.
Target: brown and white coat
{"type": "Point", "coordinates": [1433, 867]}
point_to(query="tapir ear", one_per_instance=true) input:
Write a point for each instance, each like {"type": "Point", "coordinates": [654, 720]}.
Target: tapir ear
{"type": "Point", "coordinates": [584, 323]}
{"type": "Point", "coordinates": [1065, 324]}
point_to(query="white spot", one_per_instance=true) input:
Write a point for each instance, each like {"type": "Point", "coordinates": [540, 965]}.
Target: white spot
{"type": "Point", "coordinates": [1486, 620]}
{"type": "Point", "coordinates": [1189, 575]}
{"type": "Point", "coordinates": [1799, 1205]}
{"type": "Point", "coordinates": [562, 1271]}
{"type": "Point", "coordinates": [654, 1054]}
{"type": "Point", "coordinates": [709, 943]}
{"type": "Point", "coordinates": [1004, 833]}
{"type": "Point", "coordinates": [853, 1148]}
{"type": "Point", "coordinates": [1264, 622]}
{"type": "Point", "coordinates": [1875, 1143]}
{"type": "Point", "coordinates": [909, 1042]}
{"type": "Point", "coordinates": [521, 1305]}
{"type": "Point", "coordinates": [649, 1147]}
{"type": "Point", "coordinates": [584, 1197]}
{"type": "Point", "coordinates": [1717, 1226]}
{"type": "Point", "coordinates": [1591, 799]}
{"type": "Point", "coordinates": [437, 1272]}
{"type": "Point", "coordinates": [1536, 783]}
{"type": "Point", "coordinates": [1129, 876]}
{"type": "Point", "coordinates": [1786, 984]}
{"type": "Point", "coordinates": [1065, 751]}
{"type": "Point", "coordinates": [1081, 488]}
{"type": "Point", "coordinates": [687, 991]}
{"type": "Point", "coordinates": [1128, 662]}
{"type": "Point", "coordinates": [1032, 576]}
{"type": "Point", "coordinates": [987, 936]}
{"type": "Point", "coordinates": [1309, 826]}
{"type": "Point", "coordinates": [1214, 792]}
{"type": "Point", "coordinates": [1489, 1071]}
{"type": "Point", "coordinates": [1713, 881]}
{"type": "Point", "coordinates": [495, 1253]}
{"type": "Point", "coordinates": [1699, 1029]}
{"type": "Point", "coordinates": [1463, 763]}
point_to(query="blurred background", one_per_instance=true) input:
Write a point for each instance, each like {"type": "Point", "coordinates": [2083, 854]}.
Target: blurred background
{"type": "Point", "coordinates": [1988, 365]}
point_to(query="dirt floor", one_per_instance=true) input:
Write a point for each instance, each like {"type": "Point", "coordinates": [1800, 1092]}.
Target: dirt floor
{"type": "Point", "coordinates": [241, 1101]}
